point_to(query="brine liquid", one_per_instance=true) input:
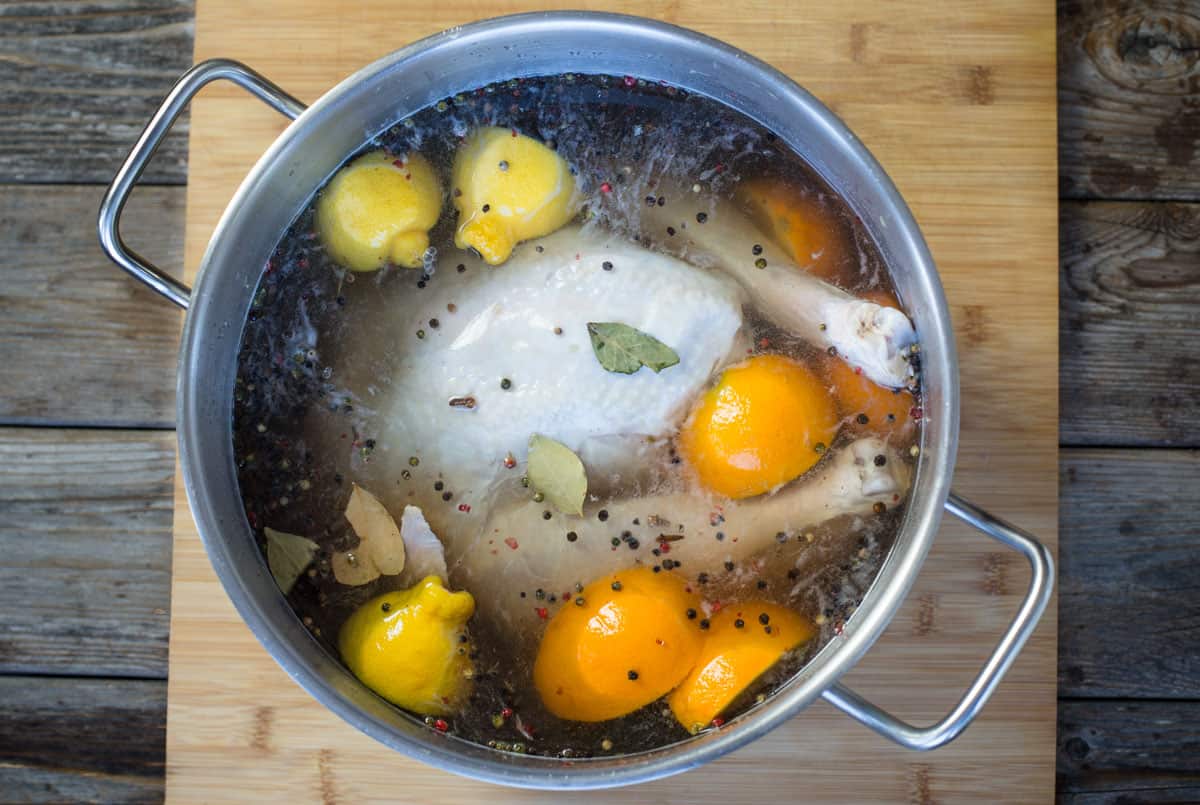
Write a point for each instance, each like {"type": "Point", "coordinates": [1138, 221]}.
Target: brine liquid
{"type": "Point", "coordinates": [301, 437]}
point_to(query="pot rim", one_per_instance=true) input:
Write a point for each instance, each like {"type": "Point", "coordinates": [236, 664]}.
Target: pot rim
{"type": "Point", "coordinates": [887, 592]}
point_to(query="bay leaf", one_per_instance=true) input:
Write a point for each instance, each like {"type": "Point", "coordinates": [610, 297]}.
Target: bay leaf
{"type": "Point", "coordinates": [555, 471]}
{"type": "Point", "coordinates": [624, 349]}
{"type": "Point", "coordinates": [378, 534]}
{"type": "Point", "coordinates": [288, 555]}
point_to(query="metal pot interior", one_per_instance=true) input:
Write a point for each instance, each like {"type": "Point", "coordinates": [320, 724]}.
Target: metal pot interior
{"type": "Point", "coordinates": [312, 148]}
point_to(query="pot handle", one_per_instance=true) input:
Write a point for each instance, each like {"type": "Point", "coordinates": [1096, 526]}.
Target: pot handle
{"type": "Point", "coordinates": [1041, 584]}
{"type": "Point", "coordinates": [190, 83]}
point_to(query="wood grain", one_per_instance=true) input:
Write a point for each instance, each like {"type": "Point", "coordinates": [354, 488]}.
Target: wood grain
{"type": "Point", "coordinates": [85, 519]}
{"type": "Point", "coordinates": [1129, 622]}
{"type": "Point", "coordinates": [80, 80]}
{"type": "Point", "coordinates": [1132, 745]}
{"type": "Point", "coordinates": [1130, 303]}
{"type": "Point", "coordinates": [72, 740]}
{"type": "Point", "coordinates": [84, 343]}
{"type": "Point", "coordinates": [971, 90]}
{"type": "Point", "coordinates": [1129, 99]}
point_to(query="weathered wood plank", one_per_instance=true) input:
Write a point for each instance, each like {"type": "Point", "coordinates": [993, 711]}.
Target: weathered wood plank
{"type": "Point", "coordinates": [82, 740]}
{"type": "Point", "coordinates": [84, 343]}
{"type": "Point", "coordinates": [1129, 99]}
{"type": "Point", "coordinates": [79, 80]}
{"type": "Point", "coordinates": [1129, 345]}
{"type": "Point", "coordinates": [1126, 745]}
{"type": "Point", "coordinates": [85, 531]}
{"type": "Point", "coordinates": [1129, 598]}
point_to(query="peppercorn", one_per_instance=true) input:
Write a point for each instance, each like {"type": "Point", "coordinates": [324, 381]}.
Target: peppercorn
{"type": "Point", "coordinates": [572, 536]}
{"type": "Point", "coordinates": [739, 623]}
{"type": "Point", "coordinates": [764, 619]}
{"type": "Point", "coordinates": [633, 675]}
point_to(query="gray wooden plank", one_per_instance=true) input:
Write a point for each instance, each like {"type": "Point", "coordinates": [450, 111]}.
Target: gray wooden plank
{"type": "Point", "coordinates": [1129, 344]}
{"type": "Point", "coordinates": [1129, 595]}
{"type": "Point", "coordinates": [79, 80]}
{"type": "Point", "coordinates": [73, 740]}
{"type": "Point", "coordinates": [85, 531]}
{"type": "Point", "coordinates": [1129, 99]}
{"type": "Point", "coordinates": [1122, 746]}
{"type": "Point", "coordinates": [83, 343]}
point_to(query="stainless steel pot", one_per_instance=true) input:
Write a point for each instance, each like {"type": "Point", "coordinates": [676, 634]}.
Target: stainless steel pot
{"type": "Point", "coordinates": [313, 146]}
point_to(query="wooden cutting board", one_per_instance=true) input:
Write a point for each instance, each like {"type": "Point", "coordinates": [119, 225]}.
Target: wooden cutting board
{"type": "Point", "coordinates": [957, 100]}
